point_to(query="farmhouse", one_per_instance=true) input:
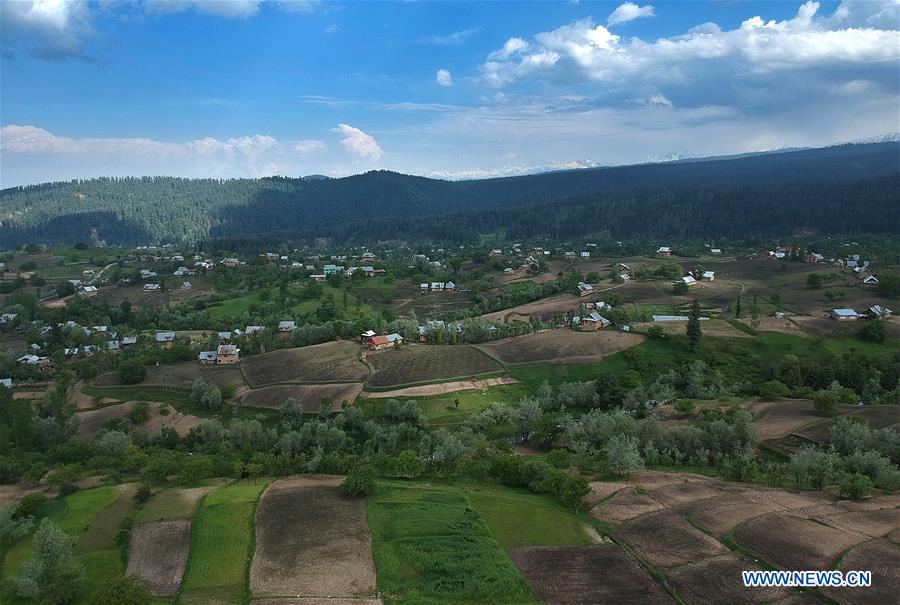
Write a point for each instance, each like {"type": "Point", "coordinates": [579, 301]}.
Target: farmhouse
{"type": "Point", "coordinates": [88, 274]}
{"type": "Point", "coordinates": [585, 254]}
{"type": "Point", "coordinates": [844, 315]}
{"type": "Point", "coordinates": [253, 330]}
{"type": "Point", "coordinates": [593, 322]}
{"type": "Point", "coordinates": [715, 251]}
{"type": "Point", "coordinates": [207, 358]}
{"type": "Point", "coordinates": [569, 255]}
{"type": "Point", "coordinates": [228, 355]}
{"type": "Point", "coordinates": [449, 287]}
{"type": "Point", "coordinates": [495, 252]}
{"type": "Point", "coordinates": [878, 312]}
{"type": "Point", "coordinates": [366, 335]}
{"type": "Point", "coordinates": [186, 285]}
{"type": "Point", "coordinates": [813, 257]}
{"type": "Point", "coordinates": [330, 269]}
{"type": "Point", "coordinates": [378, 342]}
{"type": "Point", "coordinates": [285, 328]}
{"type": "Point", "coordinates": [869, 283]}
{"type": "Point", "coordinates": [151, 288]}
{"type": "Point", "coordinates": [584, 289]}
{"type": "Point", "coordinates": [165, 339]}
{"type": "Point", "coordinates": [664, 251]}
{"type": "Point", "coordinates": [689, 280]}
{"type": "Point", "coordinates": [367, 256]}
{"type": "Point", "coordinates": [7, 382]}
{"type": "Point", "coordinates": [318, 277]}
{"type": "Point", "coordinates": [708, 276]}
{"type": "Point", "coordinates": [231, 262]}
{"type": "Point", "coordinates": [88, 291]}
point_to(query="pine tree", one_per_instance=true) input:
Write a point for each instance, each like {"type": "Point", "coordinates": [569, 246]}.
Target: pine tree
{"type": "Point", "coordinates": [693, 326]}
{"type": "Point", "coordinates": [737, 308]}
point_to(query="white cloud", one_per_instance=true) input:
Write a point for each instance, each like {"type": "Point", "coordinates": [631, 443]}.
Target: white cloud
{"type": "Point", "coordinates": [629, 11]}
{"type": "Point", "coordinates": [659, 100]}
{"type": "Point", "coordinates": [444, 77]}
{"type": "Point", "coordinates": [220, 8]}
{"type": "Point", "coordinates": [585, 52]}
{"type": "Point", "coordinates": [29, 148]}
{"type": "Point", "coordinates": [510, 48]}
{"type": "Point", "coordinates": [46, 29]}
{"type": "Point", "coordinates": [457, 38]}
{"type": "Point", "coordinates": [359, 143]}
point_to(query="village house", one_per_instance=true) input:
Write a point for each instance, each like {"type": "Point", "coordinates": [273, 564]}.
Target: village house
{"type": "Point", "coordinates": [228, 355]}
{"type": "Point", "coordinates": [318, 277]}
{"type": "Point", "coordinates": [584, 289]}
{"type": "Point", "coordinates": [88, 274]}
{"type": "Point", "coordinates": [285, 328]}
{"type": "Point", "coordinates": [716, 251]}
{"type": "Point", "coordinates": [148, 274]}
{"type": "Point", "coordinates": [878, 312]}
{"type": "Point", "coordinates": [664, 251]}
{"type": "Point", "coordinates": [127, 341]}
{"type": "Point", "coordinates": [708, 276]}
{"type": "Point", "coordinates": [186, 285]}
{"type": "Point", "coordinates": [230, 262]}
{"type": "Point", "coordinates": [207, 358]}
{"type": "Point", "coordinates": [449, 287]}
{"type": "Point", "coordinates": [569, 256]}
{"type": "Point", "coordinates": [165, 339]}
{"type": "Point", "coordinates": [593, 321]}
{"type": "Point", "coordinates": [585, 254]}
{"type": "Point", "coordinates": [689, 280]}
{"type": "Point", "coordinates": [843, 315]}
{"type": "Point", "coordinates": [870, 282]}
{"type": "Point", "coordinates": [495, 252]}
{"type": "Point", "coordinates": [379, 342]}
{"type": "Point", "coordinates": [88, 291]}
{"type": "Point", "coordinates": [365, 336]}
{"type": "Point", "coordinates": [223, 335]}
{"type": "Point", "coordinates": [330, 269]}
{"type": "Point", "coordinates": [7, 382]}
{"type": "Point", "coordinates": [36, 361]}
{"type": "Point", "coordinates": [368, 257]}
{"type": "Point", "coordinates": [813, 258]}
{"type": "Point", "coordinates": [152, 288]}
{"type": "Point", "coordinates": [253, 330]}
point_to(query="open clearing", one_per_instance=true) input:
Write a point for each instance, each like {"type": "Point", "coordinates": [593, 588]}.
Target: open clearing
{"type": "Point", "coordinates": [158, 554]}
{"type": "Point", "coordinates": [424, 363]}
{"type": "Point", "coordinates": [666, 539]}
{"type": "Point", "coordinates": [587, 575]}
{"type": "Point", "coordinates": [882, 557]}
{"type": "Point", "coordinates": [329, 362]}
{"type": "Point", "coordinates": [718, 580]}
{"type": "Point", "coordinates": [712, 327]}
{"type": "Point", "coordinates": [90, 422]}
{"type": "Point", "coordinates": [443, 387]}
{"type": "Point", "coordinates": [312, 541]}
{"type": "Point", "coordinates": [561, 346]}
{"type": "Point", "coordinates": [307, 396]}
{"type": "Point", "coordinates": [175, 502]}
{"type": "Point", "coordinates": [543, 309]}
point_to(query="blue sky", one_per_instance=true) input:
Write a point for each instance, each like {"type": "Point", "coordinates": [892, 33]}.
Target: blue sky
{"type": "Point", "coordinates": [455, 90]}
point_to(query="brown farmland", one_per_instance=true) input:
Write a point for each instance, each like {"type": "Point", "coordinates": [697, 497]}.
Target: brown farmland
{"type": "Point", "coordinates": [312, 541]}
{"type": "Point", "coordinates": [307, 396]}
{"type": "Point", "coordinates": [588, 575]}
{"type": "Point", "coordinates": [561, 346]}
{"type": "Point", "coordinates": [329, 362]}
{"type": "Point", "coordinates": [158, 554]}
{"type": "Point", "coordinates": [423, 363]}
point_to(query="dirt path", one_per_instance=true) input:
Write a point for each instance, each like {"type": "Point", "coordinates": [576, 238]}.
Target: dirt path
{"type": "Point", "coordinates": [444, 387]}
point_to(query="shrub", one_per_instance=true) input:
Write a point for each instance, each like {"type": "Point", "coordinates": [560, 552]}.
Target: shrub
{"type": "Point", "coordinates": [685, 407]}
{"type": "Point", "coordinates": [773, 389]}
{"type": "Point", "coordinates": [359, 481]}
{"type": "Point", "coordinates": [143, 494]}
{"type": "Point", "coordinates": [29, 504]}
{"type": "Point", "coordinates": [874, 331]}
{"type": "Point", "coordinates": [122, 590]}
{"type": "Point", "coordinates": [139, 413]}
{"type": "Point", "coordinates": [132, 371]}
{"type": "Point", "coordinates": [856, 486]}
{"type": "Point", "coordinates": [656, 333]}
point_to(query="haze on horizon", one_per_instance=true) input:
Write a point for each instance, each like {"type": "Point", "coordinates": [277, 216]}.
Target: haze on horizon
{"type": "Point", "coordinates": [246, 88]}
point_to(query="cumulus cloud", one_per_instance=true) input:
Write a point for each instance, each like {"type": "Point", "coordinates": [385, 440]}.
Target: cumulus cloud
{"type": "Point", "coordinates": [46, 29]}
{"type": "Point", "coordinates": [629, 11]}
{"type": "Point", "coordinates": [444, 77]}
{"type": "Point", "coordinates": [585, 52]}
{"type": "Point", "coordinates": [457, 38]}
{"type": "Point", "coordinates": [658, 100]}
{"type": "Point", "coordinates": [35, 148]}
{"type": "Point", "coordinates": [359, 143]}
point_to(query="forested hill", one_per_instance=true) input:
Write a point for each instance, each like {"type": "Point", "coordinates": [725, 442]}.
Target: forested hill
{"type": "Point", "coordinates": [164, 209]}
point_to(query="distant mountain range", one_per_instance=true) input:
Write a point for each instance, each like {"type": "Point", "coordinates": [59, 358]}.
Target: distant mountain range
{"type": "Point", "coordinates": [166, 209]}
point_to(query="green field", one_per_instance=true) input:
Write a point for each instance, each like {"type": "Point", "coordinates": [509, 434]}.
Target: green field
{"type": "Point", "coordinates": [521, 518]}
{"type": "Point", "coordinates": [442, 409]}
{"type": "Point", "coordinates": [73, 514]}
{"type": "Point", "coordinates": [236, 307]}
{"type": "Point", "coordinates": [222, 540]}
{"type": "Point", "coordinates": [170, 503]}
{"type": "Point", "coordinates": [431, 546]}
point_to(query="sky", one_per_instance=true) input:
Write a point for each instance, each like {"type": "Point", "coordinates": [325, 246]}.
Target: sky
{"type": "Point", "coordinates": [247, 88]}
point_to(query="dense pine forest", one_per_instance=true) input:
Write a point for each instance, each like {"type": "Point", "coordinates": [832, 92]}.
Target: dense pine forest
{"type": "Point", "coordinates": [845, 189]}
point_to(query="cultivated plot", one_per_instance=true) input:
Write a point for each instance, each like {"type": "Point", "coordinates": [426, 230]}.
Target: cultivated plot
{"type": "Point", "coordinates": [158, 554]}
{"type": "Point", "coordinates": [306, 396]}
{"type": "Point", "coordinates": [561, 346]}
{"type": "Point", "coordinates": [422, 363]}
{"type": "Point", "coordinates": [312, 541]}
{"type": "Point", "coordinates": [329, 362]}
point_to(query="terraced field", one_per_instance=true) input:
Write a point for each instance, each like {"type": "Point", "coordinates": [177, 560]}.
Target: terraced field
{"type": "Point", "coordinates": [424, 363]}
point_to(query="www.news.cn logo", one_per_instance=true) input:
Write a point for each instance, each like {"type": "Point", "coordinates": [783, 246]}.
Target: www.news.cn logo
{"type": "Point", "coordinates": [807, 579]}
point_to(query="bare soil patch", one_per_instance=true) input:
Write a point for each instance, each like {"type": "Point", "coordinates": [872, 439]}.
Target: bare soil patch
{"type": "Point", "coordinates": [712, 327]}
{"type": "Point", "coordinates": [423, 363]}
{"type": "Point", "coordinates": [718, 580]}
{"type": "Point", "coordinates": [545, 309]}
{"type": "Point", "coordinates": [627, 504]}
{"type": "Point", "coordinates": [686, 491]}
{"type": "Point", "coordinates": [328, 362]}
{"type": "Point", "coordinates": [308, 396]}
{"type": "Point", "coordinates": [601, 490]}
{"type": "Point", "coordinates": [10, 494]}
{"type": "Point", "coordinates": [444, 387]}
{"type": "Point", "coordinates": [91, 421]}
{"type": "Point", "coordinates": [561, 346]}
{"type": "Point", "coordinates": [180, 375]}
{"type": "Point", "coordinates": [311, 540]}
{"type": "Point", "coordinates": [778, 419]}
{"type": "Point", "coordinates": [725, 512]}
{"type": "Point", "coordinates": [667, 540]}
{"type": "Point", "coordinates": [874, 523]}
{"type": "Point", "coordinates": [882, 558]}
{"type": "Point", "coordinates": [587, 575]}
{"type": "Point", "coordinates": [158, 554]}
{"type": "Point", "coordinates": [793, 542]}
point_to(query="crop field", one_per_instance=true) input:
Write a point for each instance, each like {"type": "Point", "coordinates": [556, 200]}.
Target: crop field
{"type": "Point", "coordinates": [180, 375]}
{"type": "Point", "coordinates": [175, 502]}
{"type": "Point", "coordinates": [544, 309]}
{"type": "Point", "coordinates": [882, 557]}
{"type": "Point", "coordinates": [603, 573]}
{"type": "Point", "coordinates": [221, 543]}
{"type": "Point", "coordinates": [561, 346]}
{"type": "Point", "coordinates": [423, 363]}
{"type": "Point", "coordinates": [718, 580]}
{"type": "Point", "coordinates": [432, 546]}
{"type": "Point", "coordinates": [329, 362]}
{"type": "Point", "coordinates": [431, 305]}
{"type": "Point", "coordinates": [792, 541]}
{"type": "Point", "coordinates": [307, 396]}
{"type": "Point", "coordinates": [91, 421]}
{"type": "Point", "coordinates": [667, 540]}
{"type": "Point", "coordinates": [158, 554]}
{"type": "Point", "coordinates": [312, 540]}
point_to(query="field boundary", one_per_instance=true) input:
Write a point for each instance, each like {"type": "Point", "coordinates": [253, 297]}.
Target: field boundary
{"type": "Point", "coordinates": [482, 376]}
